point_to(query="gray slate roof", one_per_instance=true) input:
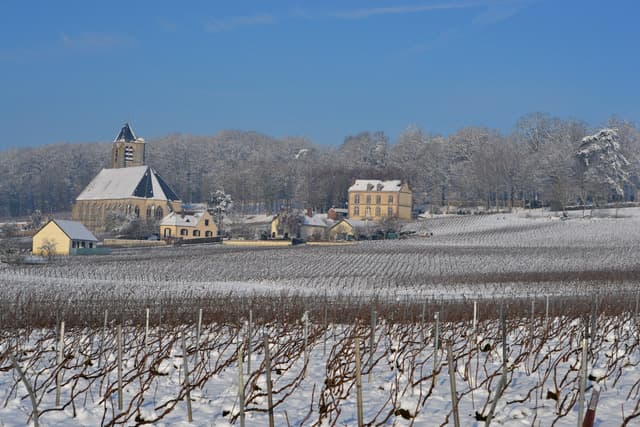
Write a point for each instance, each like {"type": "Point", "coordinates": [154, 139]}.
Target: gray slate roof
{"type": "Point", "coordinates": [75, 230]}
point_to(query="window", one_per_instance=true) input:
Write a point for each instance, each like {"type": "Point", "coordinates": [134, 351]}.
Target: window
{"type": "Point", "coordinates": [167, 232]}
{"type": "Point", "coordinates": [149, 212]}
{"type": "Point", "coordinates": [184, 232]}
{"type": "Point", "coordinates": [367, 212]}
{"type": "Point", "coordinates": [208, 234]}
{"type": "Point", "coordinates": [389, 211]}
{"type": "Point", "coordinates": [368, 200]}
{"type": "Point", "coordinates": [90, 245]}
{"type": "Point", "coordinates": [356, 199]}
{"type": "Point", "coordinates": [378, 199]}
{"type": "Point", "coordinates": [136, 212]}
{"type": "Point", "coordinates": [378, 211]}
{"type": "Point", "coordinates": [196, 233]}
{"type": "Point", "coordinates": [206, 222]}
{"type": "Point", "coordinates": [390, 199]}
{"type": "Point", "coordinates": [356, 210]}
{"type": "Point", "coordinates": [158, 213]}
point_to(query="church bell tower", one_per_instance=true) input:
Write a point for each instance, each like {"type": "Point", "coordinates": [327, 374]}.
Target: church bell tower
{"type": "Point", "coordinates": [128, 150]}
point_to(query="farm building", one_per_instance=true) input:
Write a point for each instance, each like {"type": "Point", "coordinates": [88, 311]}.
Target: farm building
{"type": "Point", "coordinates": [193, 225]}
{"type": "Point", "coordinates": [372, 199]}
{"type": "Point", "coordinates": [61, 237]}
{"type": "Point", "coordinates": [129, 189]}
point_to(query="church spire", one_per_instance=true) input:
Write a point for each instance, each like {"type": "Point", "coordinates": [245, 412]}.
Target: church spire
{"type": "Point", "coordinates": [128, 150]}
{"type": "Point", "coordinates": [126, 134]}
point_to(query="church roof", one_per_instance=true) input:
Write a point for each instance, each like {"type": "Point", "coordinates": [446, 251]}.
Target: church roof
{"type": "Point", "coordinates": [126, 183]}
{"type": "Point", "coordinates": [126, 134]}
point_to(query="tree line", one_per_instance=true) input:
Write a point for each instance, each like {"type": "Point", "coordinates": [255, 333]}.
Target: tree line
{"type": "Point", "coordinates": [545, 161]}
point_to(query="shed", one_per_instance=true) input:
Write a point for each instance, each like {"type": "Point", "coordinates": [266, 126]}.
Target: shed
{"type": "Point", "coordinates": [61, 237]}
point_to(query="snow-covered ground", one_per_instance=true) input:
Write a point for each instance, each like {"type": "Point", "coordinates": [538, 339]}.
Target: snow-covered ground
{"type": "Point", "coordinates": [524, 254]}
{"type": "Point", "coordinates": [399, 387]}
{"type": "Point", "coordinates": [520, 254]}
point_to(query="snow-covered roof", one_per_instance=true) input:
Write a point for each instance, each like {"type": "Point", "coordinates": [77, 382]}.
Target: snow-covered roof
{"type": "Point", "coordinates": [376, 185]}
{"type": "Point", "coordinates": [75, 230]}
{"type": "Point", "coordinates": [179, 220]}
{"type": "Point", "coordinates": [126, 183]}
{"type": "Point", "coordinates": [317, 220]}
{"type": "Point", "coordinates": [126, 135]}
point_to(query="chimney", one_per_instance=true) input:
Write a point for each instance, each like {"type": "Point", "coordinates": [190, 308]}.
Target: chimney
{"type": "Point", "coordinates": [310, 212]}
{"type": "Point", "coordinates": [332, 214]}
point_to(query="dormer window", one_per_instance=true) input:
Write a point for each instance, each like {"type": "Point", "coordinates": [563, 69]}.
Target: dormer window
{"type": "Point", "coordinates": [379, 187]}
{"type": "Point", "coordinates": [369, 187]}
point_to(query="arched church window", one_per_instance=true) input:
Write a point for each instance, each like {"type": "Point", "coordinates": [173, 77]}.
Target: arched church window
{"type": "Point", "coordinates": [136, 212]}
{"type": "Point", "coordinates": [149, 209]}
{"type": "Point", "coordinates": [159, 213]}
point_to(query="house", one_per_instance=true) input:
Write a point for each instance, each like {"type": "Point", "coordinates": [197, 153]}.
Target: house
{"type": "Point", "coordinates": [188, 225]}
{"type": "Point", "coordinates": [285, 225]}
{"type": "Point", "coordinates": [371, 199]}
{"type": "Point", "coordinates": [61, 237]}
{"type": "Point", "coordinates": [341, 230]}
{"type": "Point", "coordinates": [128, 190]}
{"type": "Point", "coordinates": [315, 226]}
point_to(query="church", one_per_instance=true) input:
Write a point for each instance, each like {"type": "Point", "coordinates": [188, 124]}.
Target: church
{"type": "Point", "coordinates": [129, 189]}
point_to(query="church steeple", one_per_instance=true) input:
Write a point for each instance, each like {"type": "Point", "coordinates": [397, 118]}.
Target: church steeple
{"type": "Point", "coordinates": [128, 150]}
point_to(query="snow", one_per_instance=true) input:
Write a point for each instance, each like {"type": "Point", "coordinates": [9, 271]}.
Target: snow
{"type": "Point", "coordinates": [376, 185]}
{"type": "Point", "coordinates": [176, 219]}
{"type": "Point", "coordinates": [462, 247]}
{"type": "Point", "coordinates": [120, 183]}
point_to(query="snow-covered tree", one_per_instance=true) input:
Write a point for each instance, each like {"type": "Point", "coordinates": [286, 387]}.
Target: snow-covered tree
{"type": "Point", "coordinates": [604, 166]}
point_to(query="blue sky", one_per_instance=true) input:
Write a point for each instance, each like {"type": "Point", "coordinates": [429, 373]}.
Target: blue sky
{"type": "Point", "coordinates": [74, 71]}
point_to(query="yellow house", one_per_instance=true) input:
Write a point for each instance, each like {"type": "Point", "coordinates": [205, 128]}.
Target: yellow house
{"type": "Point", "coordinates": [371, 199]}
{"type": "Point", "coordinates": [341, 230]}
{"type": "Point", "coordinates": [60, 237]}
{"type": "Point", "coordinates": [193, 225]}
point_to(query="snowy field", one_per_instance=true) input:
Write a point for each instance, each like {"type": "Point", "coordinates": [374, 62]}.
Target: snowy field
{"type": "Point", "coordinates": [587, 267]}
{"type": "Point", "coordinates": [468, 256]}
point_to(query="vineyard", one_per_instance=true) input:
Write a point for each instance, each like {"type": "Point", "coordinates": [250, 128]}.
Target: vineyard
{"type": "Point", "coordinates": [501, 319]}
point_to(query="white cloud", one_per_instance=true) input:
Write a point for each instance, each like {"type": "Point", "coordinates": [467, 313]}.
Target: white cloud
{"type": "Point", "coordinates": [228, 24]}
{"type": "Point", "coordinates": [404, 10]}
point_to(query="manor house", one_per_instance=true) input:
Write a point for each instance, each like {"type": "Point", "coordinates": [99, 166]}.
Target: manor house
{"type": "Point", "coordinates": [129, 189]}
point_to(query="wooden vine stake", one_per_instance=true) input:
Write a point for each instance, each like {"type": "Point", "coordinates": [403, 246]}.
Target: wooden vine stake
{"type": "Point", "coordinates": [372, 342]}
{"type": "Point", "coordinates": [240, 382]}
{"type": "Point", "coordinates": [267, 362]}
{"type": "Point", "coordinates": [305, 320]}
{"type": "Point", "coordinates": [119, 338]}
{"type": "Point", "coordinates": [436, 345]}
{"type": "Point", "coordinates": [187, 385]}
{"type": "Point", "coordinates": [146, 331]}
{"type": "Point", "coordinates": [358, 382]}
{"type": "Point", "coordinates": [60, 358]}
{"type": "Point", "coordinates": [590, 416]}
{"type": "Point", "coordinates": [249, 333]}
{"type": "Point", "coordinates": [452, 380]}
{"type": "Point", "coordinates": [583, 381]}
{"type": "Point", "coordinates": [198, 335]}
